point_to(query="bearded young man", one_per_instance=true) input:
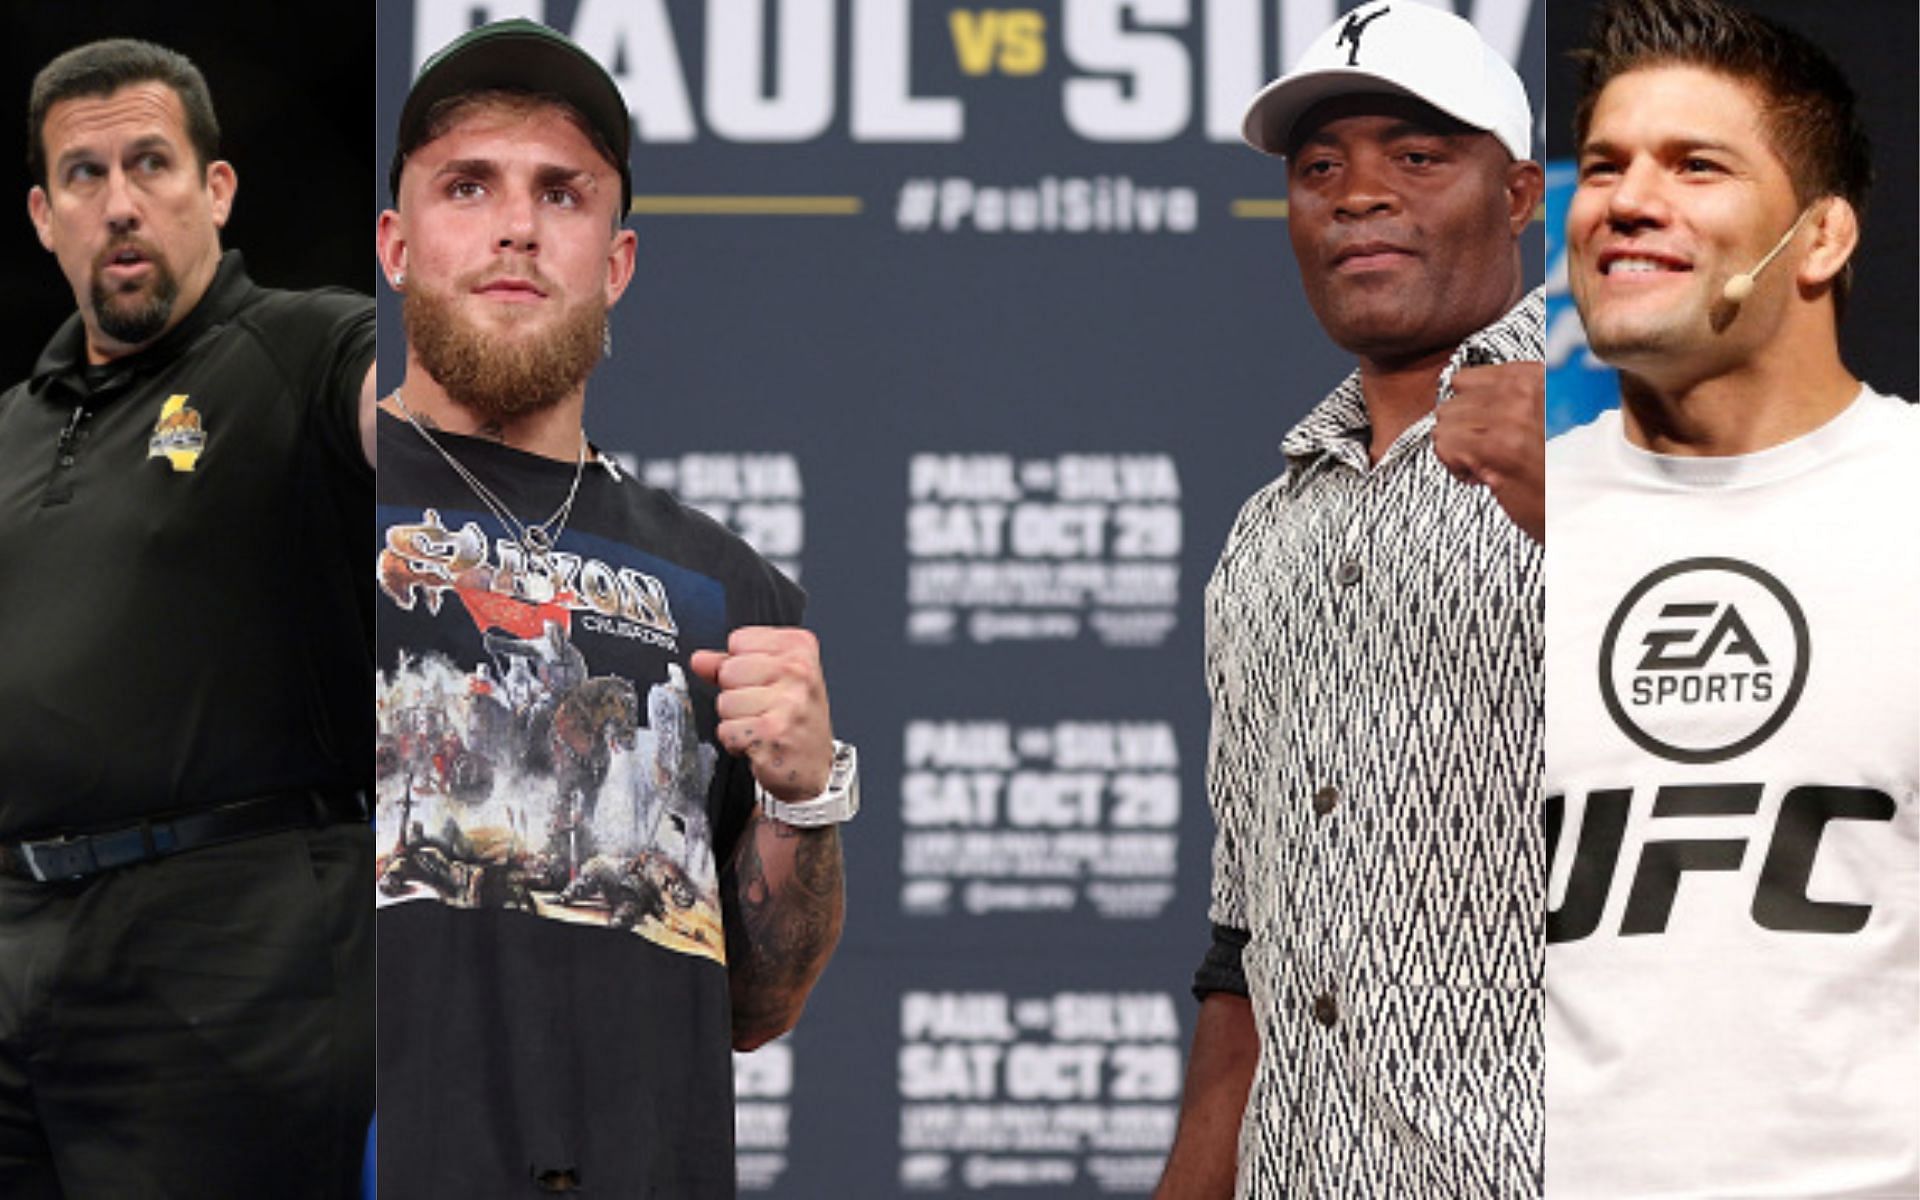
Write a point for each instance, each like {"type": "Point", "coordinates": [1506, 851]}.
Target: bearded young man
{"type": "Point", "coordinates": [583, 907]}
{"type": "Point", "coordinates": [185, 946]}
{"type": "Point", "coordinates": [1733, 743]}
{"type": "Point", "coordinates": [1369, 1018]}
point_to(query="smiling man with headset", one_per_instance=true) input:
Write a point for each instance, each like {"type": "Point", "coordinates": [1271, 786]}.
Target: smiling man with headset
{"type": "Point", "coordinates": [1733, 661]}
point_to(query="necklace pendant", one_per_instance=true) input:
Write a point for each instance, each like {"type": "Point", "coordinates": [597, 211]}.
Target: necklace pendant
{"type": "Point", "coordinates": [538, 541]}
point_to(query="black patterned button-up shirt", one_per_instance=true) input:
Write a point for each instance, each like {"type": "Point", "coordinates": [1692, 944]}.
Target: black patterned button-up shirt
{"type": "Point", "coordinates": [1374, 658]}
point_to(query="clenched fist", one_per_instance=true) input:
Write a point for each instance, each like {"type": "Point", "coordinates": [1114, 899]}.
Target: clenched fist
{"type": "Point", "coordinates": [1493, 432]}
{"type": "Point", "coordinates": [773, 707]}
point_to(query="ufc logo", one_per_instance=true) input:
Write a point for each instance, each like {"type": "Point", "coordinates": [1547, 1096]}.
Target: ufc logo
{"type": "Point", "coordinates": [1780, 900]}
{"type": "Point", "coordinates": [1728, 635]}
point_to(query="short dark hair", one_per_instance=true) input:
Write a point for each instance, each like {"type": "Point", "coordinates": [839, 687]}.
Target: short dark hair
{"type": "Point", "coordinates": [1807, 105]}
{"type": "Point", "coordinates": [103, 68]}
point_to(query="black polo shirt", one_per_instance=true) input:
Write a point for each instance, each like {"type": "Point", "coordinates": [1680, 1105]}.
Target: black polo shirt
{"type": "Point", "coordinates": [184, 617]}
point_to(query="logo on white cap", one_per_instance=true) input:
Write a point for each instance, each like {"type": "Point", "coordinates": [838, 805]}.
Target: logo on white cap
{"type": "Point", "coordinates": [1351, 31]}
{"type": "Point", "coordinates": [1424, 52]}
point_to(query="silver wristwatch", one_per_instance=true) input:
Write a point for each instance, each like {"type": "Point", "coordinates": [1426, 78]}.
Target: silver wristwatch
{"type": "Point", "coordinates": [832, 807]}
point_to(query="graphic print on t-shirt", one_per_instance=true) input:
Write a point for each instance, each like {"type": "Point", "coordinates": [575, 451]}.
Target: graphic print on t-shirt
{"type": "Point", "coordinates": [1704, 659]}
{"type": "Point", "coordinates": [538, 746]}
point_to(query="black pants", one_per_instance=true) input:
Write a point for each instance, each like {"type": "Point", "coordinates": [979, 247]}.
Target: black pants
{"type": "Point", "coordinates": [198, 1028]}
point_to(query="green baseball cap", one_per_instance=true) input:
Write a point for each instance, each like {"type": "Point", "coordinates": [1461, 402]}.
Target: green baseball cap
{"type": "Point", "coordinates": [519, 56]}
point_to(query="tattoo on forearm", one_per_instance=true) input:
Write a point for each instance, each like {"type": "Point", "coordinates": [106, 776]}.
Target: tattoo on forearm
{"type": "Point", "coordinates": [778, 938]}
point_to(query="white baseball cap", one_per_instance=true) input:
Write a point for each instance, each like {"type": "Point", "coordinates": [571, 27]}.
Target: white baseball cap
{"type": "Point", "coordinates": [1405, 48]}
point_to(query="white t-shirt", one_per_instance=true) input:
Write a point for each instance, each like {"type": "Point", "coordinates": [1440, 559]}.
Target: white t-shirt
{"type": "Point", "coordinates": [1732, 760]}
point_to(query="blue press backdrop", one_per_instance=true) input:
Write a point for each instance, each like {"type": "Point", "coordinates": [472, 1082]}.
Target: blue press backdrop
{"type": "Point", "coordinates": [995, 398]}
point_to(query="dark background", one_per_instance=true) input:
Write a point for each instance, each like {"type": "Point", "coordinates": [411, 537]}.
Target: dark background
{"type": "Point", "coordinates": [1873, 41]}
{"type": "Point", "coordinates": [294, 97]}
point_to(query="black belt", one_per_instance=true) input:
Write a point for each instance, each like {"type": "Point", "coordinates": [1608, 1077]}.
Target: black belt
{"type": "Point", "coordinates": [76, 856]}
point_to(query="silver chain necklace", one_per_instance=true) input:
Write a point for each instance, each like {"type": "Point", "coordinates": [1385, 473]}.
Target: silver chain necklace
{"type": "Point", "coordinates": [537, 541]}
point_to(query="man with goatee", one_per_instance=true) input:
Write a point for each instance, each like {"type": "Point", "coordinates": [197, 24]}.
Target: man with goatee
{"type": "Point", "coordinates": [186, 954]}
{"type": "Point", "coordinates": [608, 786]}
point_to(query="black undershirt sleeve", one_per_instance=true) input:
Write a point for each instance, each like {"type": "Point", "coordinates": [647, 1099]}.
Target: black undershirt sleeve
{"type": "Point", "coordinates": [1220, 970]}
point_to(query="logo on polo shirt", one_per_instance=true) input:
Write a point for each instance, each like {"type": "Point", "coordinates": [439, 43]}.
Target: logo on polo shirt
{"type": "Point", "coordinates": [177, 435]}
{"type": "Point", "coordinates": [1704, 659]}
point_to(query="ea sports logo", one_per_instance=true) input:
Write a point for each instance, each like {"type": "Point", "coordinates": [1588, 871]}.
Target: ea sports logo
{"type": "Point", "coordinates": [1704, 659]}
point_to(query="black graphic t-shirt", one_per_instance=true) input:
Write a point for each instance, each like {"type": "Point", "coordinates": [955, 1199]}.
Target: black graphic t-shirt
{"type": "Point", "coordinates": [552, 810]}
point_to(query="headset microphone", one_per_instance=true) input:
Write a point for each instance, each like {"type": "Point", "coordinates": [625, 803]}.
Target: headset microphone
{"type": "Point", "coordinates": [1741, 286]}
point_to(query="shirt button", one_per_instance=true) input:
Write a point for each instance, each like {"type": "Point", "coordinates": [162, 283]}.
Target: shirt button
{"type": "Point", "coordinates": [66, 460]}
{"type": "Point", "coordinates": [1347, 573]}
{"type": "Point", "coordinates": [1325, 1010]}
{"type": "Point", "coordinates": [1325, 799]}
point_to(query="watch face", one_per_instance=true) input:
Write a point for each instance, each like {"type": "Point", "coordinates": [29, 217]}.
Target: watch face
{"type": "Point", "coordinates": [838, 803]}
{"type": "Point", "coordinates": [844, 767]}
